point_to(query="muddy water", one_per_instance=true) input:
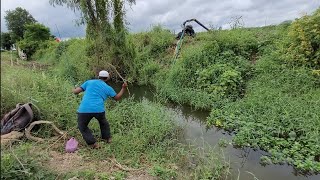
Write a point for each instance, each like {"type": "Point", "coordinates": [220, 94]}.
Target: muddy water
{"type": "Point", "coordinates": [244, 163]}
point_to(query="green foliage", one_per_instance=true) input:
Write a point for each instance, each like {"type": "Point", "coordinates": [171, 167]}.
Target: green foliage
{"type": "Point", "coordinates": [73, 62]}
{"type": "Point", "coordinates": [302, 44]}
{"type": "Point", "coordinates": [20, 163]}
{"type": "Point", "coordinates": [36, 32]}
{"type": "Point", "coordinates": [52, 51]}
{"type": "Point", "coordinates": [69, 59]}
{"type": "Point", "coordinates": [155, 42]}
{"type": "Point", "coordinates": [280, 114]}
{"type": "Point", "coordinates": [143, 132]}
{"type": "Point", "coordinates": [108, 39]}
{"type": "Point", "coordinates": [151, 48]}
{"type": "Point", "coordinates": [16, 21]}
{"type": "Point", "coordinates": [218, 69]}
{"type": "Point", "coordinates": [163, 173]}
{"type": "Point", "coordinates": [148, 71]}
{"type": "Point", "coordinates": [136, 132]}
{"type": "Point", "coordinates": [47, 53]}
{"type": "Point", "coordinates": [35, 37]}
{"type": "Point", "coordinates": [6, 42]}
{"type": "Point", "coordinates": [50, 93]}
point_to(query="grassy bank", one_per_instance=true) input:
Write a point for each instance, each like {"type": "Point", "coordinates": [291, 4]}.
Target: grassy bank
{"type": "Point", "coordinates": [280, 113]}
{"type": "Point", "coordinates": [144, 136]}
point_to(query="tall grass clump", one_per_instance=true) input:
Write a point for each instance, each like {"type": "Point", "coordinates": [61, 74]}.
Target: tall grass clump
{"type": "Point", "coordinates": [68, 59]}
{"type": "Point", "coordinates": [74, 64]}
{"type": "Point", "coordinates": [50, 93]}
{"type": "Point", "coordinates": [151, 49]}
{"type": "Point", "coordinates": [20, 163]}
{"type": "Point", "coordinates": [47, 54]}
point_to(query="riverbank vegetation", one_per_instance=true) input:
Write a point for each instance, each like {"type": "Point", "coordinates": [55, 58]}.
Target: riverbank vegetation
{"type": "Point", "coordinates": [261, 84]}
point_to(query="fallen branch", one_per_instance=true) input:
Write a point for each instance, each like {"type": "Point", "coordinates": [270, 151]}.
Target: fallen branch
{"type": "Point", "coordinates": [118, 165]}
{"type": "Point", "coordinates": [62, 136]}
{"type": "Point", "coordinates": [28, 130]}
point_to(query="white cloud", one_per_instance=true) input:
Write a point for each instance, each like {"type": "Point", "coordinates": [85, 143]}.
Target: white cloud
{"type": "Point", "coordinates": [60, 20]}
{"type": "Point", "coordinates": [171, 13]}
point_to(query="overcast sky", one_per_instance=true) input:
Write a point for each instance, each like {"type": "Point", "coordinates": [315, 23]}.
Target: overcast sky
{"type": "Point", "coordinates": [170, 13]}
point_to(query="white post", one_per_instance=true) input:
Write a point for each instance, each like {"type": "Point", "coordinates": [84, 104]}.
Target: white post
{"type": "Point", "coordinates": [11, 58]}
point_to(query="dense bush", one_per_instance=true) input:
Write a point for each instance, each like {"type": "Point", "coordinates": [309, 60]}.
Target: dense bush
{"type": "Point", "coordinates": [46, 54]}
{"type": "Point", "coordinates": [151, 48]}
{"type": "Point", "coordinates": [35, 37]}
{"type": "Point", "coordinates": [73, 64]}
{"type": "Point", "coordinates": [216, 69]}
{"type": "Point", "coordinates": [302, 44]}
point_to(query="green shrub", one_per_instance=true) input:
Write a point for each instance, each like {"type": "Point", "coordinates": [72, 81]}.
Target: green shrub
{"type": "Point", "coordinates": [280, 114]}
{"type": "Point", "coordinates": [34, 38]}
{"type": "Point", "coordinates": [74, 63]}
{"type": "Point", "coordinates": [47, 53]}
{"type": "Point", "coordinates": [302, 44]}
{"type": "Point", "coordinates": [210, 70]}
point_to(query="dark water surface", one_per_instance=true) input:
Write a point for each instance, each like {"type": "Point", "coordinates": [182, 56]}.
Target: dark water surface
{"type": "Point", "coordinates": [244, 163]}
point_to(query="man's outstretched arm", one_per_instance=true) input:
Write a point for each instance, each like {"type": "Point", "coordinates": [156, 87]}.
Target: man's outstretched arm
{"type": "Point", "coordinates": [119, 95]}
{"type": "Point", "coordinates": [77, 90]}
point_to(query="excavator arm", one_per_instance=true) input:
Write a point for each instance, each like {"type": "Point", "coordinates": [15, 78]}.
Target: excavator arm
{"type": "Point", "coordinates": [181, 35]}
{"type": "Point", "coordinates": [195, 20]}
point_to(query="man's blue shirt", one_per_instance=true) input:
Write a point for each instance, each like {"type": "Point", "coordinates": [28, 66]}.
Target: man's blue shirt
{"type": "Point", "coordinates": [95, 93]}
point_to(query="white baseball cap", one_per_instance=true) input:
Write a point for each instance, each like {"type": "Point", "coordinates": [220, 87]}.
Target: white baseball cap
{"type": "Point", "coordinates": [104, 73]}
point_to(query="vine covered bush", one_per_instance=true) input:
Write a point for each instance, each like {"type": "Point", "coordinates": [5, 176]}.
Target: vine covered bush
{"type": "Point", "coordinates": [302, 44]}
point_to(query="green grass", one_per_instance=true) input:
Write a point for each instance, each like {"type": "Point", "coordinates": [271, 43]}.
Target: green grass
{"type": "Point", "coordinates": [144, 135]}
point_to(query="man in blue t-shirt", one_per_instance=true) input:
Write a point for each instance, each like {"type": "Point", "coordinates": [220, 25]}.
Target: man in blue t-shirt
{"type": "Point", "coordinates": [92, 105]}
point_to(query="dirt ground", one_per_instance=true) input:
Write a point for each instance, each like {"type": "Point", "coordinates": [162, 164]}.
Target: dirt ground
{"type": "Point", "coordinates": [63, 163]}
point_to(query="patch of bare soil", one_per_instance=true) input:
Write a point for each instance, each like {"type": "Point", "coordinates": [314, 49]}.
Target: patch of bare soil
{"type": "Point", "coordinates": [64, 163]}
{"type": "Point", "coordinates": [140, 176]}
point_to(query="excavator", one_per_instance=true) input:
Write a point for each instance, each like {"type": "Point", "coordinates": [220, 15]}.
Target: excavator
{"type": "Point", "coordinates": [186, 30]}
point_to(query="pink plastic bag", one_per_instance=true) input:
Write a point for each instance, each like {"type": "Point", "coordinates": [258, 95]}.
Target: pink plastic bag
{"type": "Point", "coordinates": [71, 145]}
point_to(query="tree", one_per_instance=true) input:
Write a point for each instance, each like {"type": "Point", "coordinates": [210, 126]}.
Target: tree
{"type": "Point", "coordinates": [16, 20]}
{"type": "Point", "coordinates": [236, 22]}
{"type": "Point", "coordinates": [6, 42]}
{"type": "Point", "coordinates": [105, 28]}
{"type": "Point", "coordinates": [34, 37]}
{"type": "Point", "coordinates": [37, 32]}
{"type": "Point", "coordinates": [97, 13]}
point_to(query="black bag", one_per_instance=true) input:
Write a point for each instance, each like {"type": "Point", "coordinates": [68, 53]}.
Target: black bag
{"type": "Point", "coordinates": [17, 119]}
